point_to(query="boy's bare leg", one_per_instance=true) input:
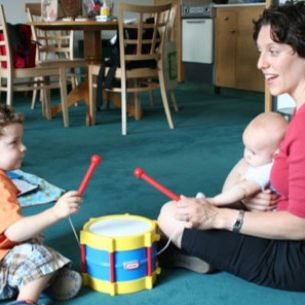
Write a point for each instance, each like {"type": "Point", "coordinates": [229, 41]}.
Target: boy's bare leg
{"type": "Point", "coordinates": [32, 290]}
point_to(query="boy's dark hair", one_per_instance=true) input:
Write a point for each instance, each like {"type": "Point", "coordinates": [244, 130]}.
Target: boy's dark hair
{"type": "Point", "coordinates": [287, 24]}
{"type": "Point", "coordinates": [9, 116]}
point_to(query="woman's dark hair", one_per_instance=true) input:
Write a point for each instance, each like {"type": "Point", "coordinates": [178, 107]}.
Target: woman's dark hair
{"type": "Point", "coordinates": [287, 24]}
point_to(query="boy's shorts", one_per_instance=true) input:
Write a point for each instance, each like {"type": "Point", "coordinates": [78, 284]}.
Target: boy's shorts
{"type": "Point", "coordinates": [25, 263]}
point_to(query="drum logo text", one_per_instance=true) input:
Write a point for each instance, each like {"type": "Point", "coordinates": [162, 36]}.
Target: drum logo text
{"type": "Point", "coordinates": [131, 265]}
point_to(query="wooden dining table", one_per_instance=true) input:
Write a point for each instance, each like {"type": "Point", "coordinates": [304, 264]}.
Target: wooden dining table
{"type": "Point", "coordinates": [92, 53]}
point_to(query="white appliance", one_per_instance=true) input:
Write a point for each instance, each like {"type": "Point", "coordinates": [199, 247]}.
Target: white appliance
{"type": "Point", "coordinates": [197, 40]}
{"type": "Point", "coordinates": [197, 31]}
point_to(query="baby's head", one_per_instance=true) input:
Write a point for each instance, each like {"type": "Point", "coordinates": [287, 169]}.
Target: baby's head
{"type": "Point", "coordinates": [12, 149]}
{"type": "Point", "coordinates": [262, 138]}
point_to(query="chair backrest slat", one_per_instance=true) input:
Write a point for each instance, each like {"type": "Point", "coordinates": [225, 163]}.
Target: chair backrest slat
{"type": "Point", "coordinates": [145, 34]}
{"type": "Point", "coordinates": [7, 57]}
{"type": "Point", "coordinates": [57, 42]}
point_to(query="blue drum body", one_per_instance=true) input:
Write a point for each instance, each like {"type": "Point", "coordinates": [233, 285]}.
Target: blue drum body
{"type": "Point", "coordinates": [119, 253]}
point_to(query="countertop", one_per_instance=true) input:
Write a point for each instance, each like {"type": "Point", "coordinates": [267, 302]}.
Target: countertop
{"type": "Point", "coordinates": [240, 4]}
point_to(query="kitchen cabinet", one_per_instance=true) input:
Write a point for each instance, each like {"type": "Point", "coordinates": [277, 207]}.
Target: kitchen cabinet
{"type": "Point", "coordinates": [235, 50]}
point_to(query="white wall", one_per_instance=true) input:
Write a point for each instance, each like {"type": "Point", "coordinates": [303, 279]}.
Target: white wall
{"type": "Point", "coordinates": [15, 11]}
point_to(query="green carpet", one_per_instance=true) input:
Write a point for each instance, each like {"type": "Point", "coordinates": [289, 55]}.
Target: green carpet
{"type": "Point", "coordinates": [196, 156]}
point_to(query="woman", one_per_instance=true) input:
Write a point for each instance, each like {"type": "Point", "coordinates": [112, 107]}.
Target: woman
{"type": "Point", "coordinates": [265, 247]}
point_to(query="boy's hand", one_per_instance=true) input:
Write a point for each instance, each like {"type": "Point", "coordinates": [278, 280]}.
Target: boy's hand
{"type": "Point", "coordinates": [67, 204]}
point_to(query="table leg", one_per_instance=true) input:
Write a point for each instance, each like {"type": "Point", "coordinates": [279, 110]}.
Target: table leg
{"type": "Point", "coordinates": [79, 93]}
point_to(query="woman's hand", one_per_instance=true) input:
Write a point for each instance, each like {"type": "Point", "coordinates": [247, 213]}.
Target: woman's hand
{"type": "Point", "coordinates": [197, 212]}
{"type": "Point", "coordinates": [262, 201]}
{"type": "Point", "coordinates": [67, 204]}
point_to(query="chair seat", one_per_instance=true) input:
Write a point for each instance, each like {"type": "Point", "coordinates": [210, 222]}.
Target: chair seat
{"type": "Point", "coordinates": [30, 72]}
{"type": "Point", "coordinates": [68, 63]}
{"type": "Point", "coordinates": [138, 73]}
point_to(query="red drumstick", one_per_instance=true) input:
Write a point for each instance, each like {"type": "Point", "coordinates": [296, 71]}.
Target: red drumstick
{"type": "Point", "coordinates": [95, 161]}
{"type": "Point", "coordinates": [139, 173]}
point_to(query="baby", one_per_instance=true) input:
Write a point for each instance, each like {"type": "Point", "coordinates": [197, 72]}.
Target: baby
{"type": "Point", "coordinates": [261, 139]}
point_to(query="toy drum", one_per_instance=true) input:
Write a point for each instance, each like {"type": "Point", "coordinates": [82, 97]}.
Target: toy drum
{"type": "Point", "coordinates": [119, 253]}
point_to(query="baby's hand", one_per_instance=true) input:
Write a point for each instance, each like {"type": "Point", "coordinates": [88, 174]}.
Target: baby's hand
{"type": "Point", "coordinates": [67, 204]}
{"type": "Point", "coordinates": [262, 201]}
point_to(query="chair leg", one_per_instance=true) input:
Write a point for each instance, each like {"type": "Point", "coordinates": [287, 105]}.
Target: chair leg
{"type": "Point", "coordinates": [63, 96]}
{"type": "Point", "coordinates": [137, 107]}
{"type": "Point", "coordinates": [73, 78]}
{"type": "Point", "coordinates": [92, 99]}
{"type": "Point", "coordinates": [43, 94]}
{"type": "Point", "coordinates": [46, 104]}
{"type": "Point", "coordinates": [34, 95]}
{"type": "Point", "coordinates": [151, 94]}
{"type": "Point", "coordinates": [9, 92]}
{"type": "Point", "coordinates": [173, 99]}
{"type": "Point", "coordinates": [165, 100]}
{"type": "Point", "coordinates": [137, 103]}
{"type": "Point", "coordinates": [124, 106]}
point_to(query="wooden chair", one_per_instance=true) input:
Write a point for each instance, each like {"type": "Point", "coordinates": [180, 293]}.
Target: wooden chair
{"type": "Point", "coordinates": [148, 49]}
{"type": "Point", "coordinates": [55, 48]}
{"type": "Point", "coordinates": [24, 79]}
{"type": "Point", "coordinates": [170, 49]}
